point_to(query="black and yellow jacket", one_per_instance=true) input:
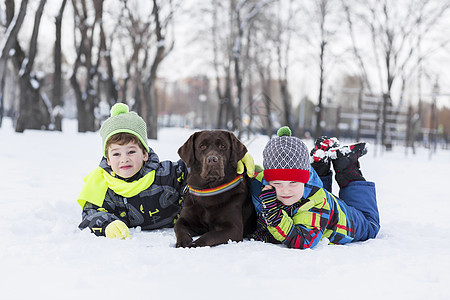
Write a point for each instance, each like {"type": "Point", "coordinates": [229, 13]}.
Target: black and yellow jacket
{"type": "Point", "coordinates": [150, 199]}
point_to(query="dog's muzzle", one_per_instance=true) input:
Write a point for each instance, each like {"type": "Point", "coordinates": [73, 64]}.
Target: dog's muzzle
{"type": "Point", "coordinates": [213, 168]}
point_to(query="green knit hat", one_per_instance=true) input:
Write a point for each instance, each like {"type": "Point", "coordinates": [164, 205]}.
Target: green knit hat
{"type": "Point", "coordinates": [123, 120]}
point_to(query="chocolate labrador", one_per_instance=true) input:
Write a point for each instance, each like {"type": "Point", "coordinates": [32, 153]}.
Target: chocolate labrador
{"type": "Point", "coordinates": [217, 207]}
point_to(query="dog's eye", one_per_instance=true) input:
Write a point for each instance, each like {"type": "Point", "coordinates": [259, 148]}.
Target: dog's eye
{"type": "Point", "coordinates": [222, 147]}
{"type": "Point", "coordinates": [202, 147]}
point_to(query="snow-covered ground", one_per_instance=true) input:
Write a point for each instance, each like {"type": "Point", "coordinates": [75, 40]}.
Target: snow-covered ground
{"type": "Point", "coordinates": [45, 256]}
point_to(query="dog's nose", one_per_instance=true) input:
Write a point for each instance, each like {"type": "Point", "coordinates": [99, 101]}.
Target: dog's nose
{"type": "Point", "coordinates": [212, 160]}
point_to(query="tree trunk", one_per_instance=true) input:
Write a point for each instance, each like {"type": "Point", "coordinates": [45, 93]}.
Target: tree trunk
{"type": "Point", "coordinates": [338, 121]}
{"type": "Point", "coordinates": [287, 109]}
{"type": "Point", "coordinates": [229, 107]}
{"type": "Point", "coordinates": [266, 99]}
{"type": "Point", "coordinates": [105, 53]}
{"type": "Point", "coordinates": [85, 108]}
{"type": "Point", "coordinates": [10, 40]}
{"type": "Point", "coordinates": [237, 122]}
{"type": "Point", "coordinates": [12, 31]}
{"type": "Point", "coordinates": [319, 111]}
{"type": "Point", "coordinates": [85, 93]}
{"type": "Point", "coordinates": [33, 111]}
{"type": "Point", "coordinates": [360, 96]}
{"type": "Point", "coordinates": [57, 76]}
{"type": "Point", "coordinates": [151, 111]}
{"type": "Point", "coordinates": [2, 102]}
{"type": "Point", "coordinates": [250, 104]}
{"type": "Point", "coordinates": [385, 131]}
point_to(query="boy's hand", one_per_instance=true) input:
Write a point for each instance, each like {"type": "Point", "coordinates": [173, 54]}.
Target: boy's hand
{"type": "Point", "coordinates": [249, 163]}
{"type": "Point", "coordinates": [117, 229]}
{"type": "Point", "coordinates": [270, 206]}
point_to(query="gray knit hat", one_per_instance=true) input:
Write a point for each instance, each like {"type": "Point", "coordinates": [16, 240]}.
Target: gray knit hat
{"type": "Point", "coordinates": [122, 120]}
{"type": "Point", "coordinates": [286, 157]}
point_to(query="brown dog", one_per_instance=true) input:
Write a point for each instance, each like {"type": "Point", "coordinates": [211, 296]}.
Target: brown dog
{"type": "Point", "coordinates": [217, 206]}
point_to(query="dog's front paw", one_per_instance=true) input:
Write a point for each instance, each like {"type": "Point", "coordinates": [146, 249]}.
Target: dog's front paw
{"type": "Point", "coordinates": [184, 242]}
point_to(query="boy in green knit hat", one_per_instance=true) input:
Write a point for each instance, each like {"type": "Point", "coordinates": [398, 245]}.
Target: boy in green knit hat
{"type": "Point", "coordinates": [131, 187]}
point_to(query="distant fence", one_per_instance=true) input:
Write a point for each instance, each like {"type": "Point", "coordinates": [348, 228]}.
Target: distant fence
{"type": "Point", "coordinates": [371, 117]}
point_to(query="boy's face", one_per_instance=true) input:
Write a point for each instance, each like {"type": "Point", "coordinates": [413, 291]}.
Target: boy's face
{"type": "Point", "coordinates": [126, 160]}
{"type": "Point", "coordinates": [288, 192]}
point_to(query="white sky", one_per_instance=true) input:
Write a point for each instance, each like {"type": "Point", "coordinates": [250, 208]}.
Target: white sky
{"type": "Point", "coordinates": [185, 60]}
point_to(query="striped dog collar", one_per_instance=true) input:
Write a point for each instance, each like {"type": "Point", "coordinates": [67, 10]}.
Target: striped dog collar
{"type": "Point", "coordinates": [217, 190]}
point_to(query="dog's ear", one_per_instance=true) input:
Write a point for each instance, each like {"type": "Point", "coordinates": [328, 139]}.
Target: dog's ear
{"type": "Point", "coordinates": [186, 152]}
{"type": "Point", "coordinates": [238, 149]}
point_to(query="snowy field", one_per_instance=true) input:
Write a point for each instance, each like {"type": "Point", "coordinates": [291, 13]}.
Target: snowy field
{"type": "Point", "coordinates": [45, 256]}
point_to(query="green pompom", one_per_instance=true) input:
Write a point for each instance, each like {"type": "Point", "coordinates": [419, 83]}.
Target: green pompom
{"type": "Point", "coordinates": [284, 131]}
{"type": "Point", "coordinates": [119, 108]}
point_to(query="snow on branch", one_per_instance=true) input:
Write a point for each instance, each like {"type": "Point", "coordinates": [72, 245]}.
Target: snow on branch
{"type": "Point", "coordinates": [244, 24]}
{"type": "Point", "coordinates": [254, 12]}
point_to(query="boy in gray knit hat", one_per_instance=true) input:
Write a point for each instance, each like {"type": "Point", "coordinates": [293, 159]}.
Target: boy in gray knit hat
{"type": "Point", "coordinates": [294, 207]}
{"type": "Point", "coordinates": [131, 187]}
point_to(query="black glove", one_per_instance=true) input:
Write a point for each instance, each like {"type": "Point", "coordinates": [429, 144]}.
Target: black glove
{"type": "Point", "coordinates": [270, 207]}
{"type": "Point", "coordinates": [346, 163]}
{"type": "Point", "coordinates": [320, 154]}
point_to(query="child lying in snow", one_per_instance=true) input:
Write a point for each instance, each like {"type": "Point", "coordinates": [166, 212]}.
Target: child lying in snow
{"type": "Point", "coordinates": [296, 210]}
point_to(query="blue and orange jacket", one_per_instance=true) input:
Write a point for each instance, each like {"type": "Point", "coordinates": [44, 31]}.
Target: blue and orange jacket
{"type": "Point", "coordinates": [318, 214]}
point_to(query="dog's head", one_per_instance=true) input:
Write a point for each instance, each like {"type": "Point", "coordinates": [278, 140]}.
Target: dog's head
{"type": "Point", "coordinates": [212, 155]}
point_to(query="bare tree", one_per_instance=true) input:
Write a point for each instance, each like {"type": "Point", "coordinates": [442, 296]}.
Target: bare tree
{"type": "Point", "coordinates": [34, 112]}
{"type": "Point", "coordinates": [222, 37]}
{"type": "Point", "coordinates": [397, 31]}
{"type": "Point", "coordinates": [230, 36]}
{"type": "Point", "coordinates": [248, 64]}
{"type": "Point", "coordinates": [92, 75]}
{"type": "Point", "coordinates": [322, 25]}
{"type": "Point", "coordinates": [322, 13]}
{"type": "Point", "coordinates": [283, 36]}
{"type": "Point", "coordinates": [57, 76]}
{"type": "Point", "coordinates": [13, 25]}
{"type": "Point", "coordinates": [263, 60]}
{"type": "Point", "coordinates": [107, 87]}
{"type": "Point", "coordinates": [362, 76]}
{"type": "Point", "coordinates": [150, 40]}
{"type": "Point", "coordinates": [242, 22]}
{"type": "Point", "coordinates": [133, 32]}
{"type": "Point", "coordinates": [161, 23]}
{"type": "Point", "coordinates": [84, 70]}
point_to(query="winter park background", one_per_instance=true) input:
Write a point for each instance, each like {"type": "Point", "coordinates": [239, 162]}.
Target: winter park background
{"type": "Point", "coordinates": [45, 256]}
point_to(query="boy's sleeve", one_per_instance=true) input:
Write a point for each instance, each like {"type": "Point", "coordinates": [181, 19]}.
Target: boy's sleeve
{"type": "Point", "coordinates": [181, 172]}
{"type": "Point", "coordinates": [262, 233]}
{"type": "Point", "coordinates": [327, 181]}
{"type": "Point", "coordinates": [256, 186]}
{"type": "Point", "coordinates": [298, 236]}
{"type": "Point", "coordinates": [96, 218]}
